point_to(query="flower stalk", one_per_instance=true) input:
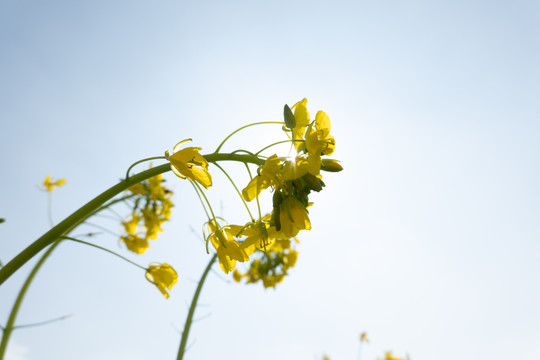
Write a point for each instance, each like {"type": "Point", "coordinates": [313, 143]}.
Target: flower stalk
{"type": "Point", "coordinates": [89, 208]}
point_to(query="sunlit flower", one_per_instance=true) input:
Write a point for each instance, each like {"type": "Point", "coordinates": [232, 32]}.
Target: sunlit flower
{"type": "Point", "coordinates": [319, 142]}
{"type": "Point", "coordinates": [269, 175]}
{"type": "Point", "coordinates": [50, 184]}
{"type": "Point", "coordinates": [301, 115]}
{"type": "Point", "coordinates": [188, 163]}
{"type": "Point", "coordinates": [163, 276]}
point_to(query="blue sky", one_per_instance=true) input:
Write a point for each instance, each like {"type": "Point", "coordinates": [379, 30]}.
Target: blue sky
{"type": "Point", "coordinates": [428, 240]}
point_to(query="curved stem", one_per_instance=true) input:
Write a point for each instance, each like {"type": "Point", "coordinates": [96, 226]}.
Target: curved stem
{"type": "Point", "coordinates": [238, 191]}
{"type": "Point", "coordinates": [104, 249]}
{"type": "Point", "coordinates": [143, 160]}
{"type": "Point", "coordinates": [80, 215]}
{"type": "Point", "coordinates": [242, 128]}
{"type": "Point", "coordinates": [276, 143]}
{"type": "Point", "coordinates": [11, 320]}
{"type": "Point", "coordinates": [189, 319]}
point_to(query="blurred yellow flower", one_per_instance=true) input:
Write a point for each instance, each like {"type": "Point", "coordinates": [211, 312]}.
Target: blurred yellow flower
{"type": "Point", "coordinates": [188, 163]}
{"type": "Point", "coordinates": [363, 337]}
{"type": "Point", "coordinates": [135, 243]}
{"type": "Point", "coordinates": [163, 276]}
{"type": "Point", "coordinates": [50, 184]}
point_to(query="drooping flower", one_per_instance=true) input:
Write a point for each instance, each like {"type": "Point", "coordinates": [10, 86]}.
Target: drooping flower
{"type": "Point", "coordinates": [50, 184]}
{"type": "Point", "coordinates": [163, 276]}
{"type": "Point", "coordinates": [227, 248]}
{"type": "Point", "coordinates": [269, 175]}
{"type": "Point", "coordinates": [188, 163]}
{"type": "Point", "coordinates": [293, 217]}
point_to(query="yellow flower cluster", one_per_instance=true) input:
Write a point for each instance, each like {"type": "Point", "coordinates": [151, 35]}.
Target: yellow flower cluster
{"type": "Point", "coordinates": [152, 208]}
{"type": "Point", "coordinates": [291, 179]}
{"type": "Point", "coordinates": [272, 266]}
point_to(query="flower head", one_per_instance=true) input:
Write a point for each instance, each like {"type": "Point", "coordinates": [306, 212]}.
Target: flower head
{"type": "Point", "coordinates": [188, 163]}
{"type": "Point", "coordinates": [319, 142]}
{"type": "Point", "coordinates": [163, 276]}
{"type": "Point", "coordinates": [50, 184]}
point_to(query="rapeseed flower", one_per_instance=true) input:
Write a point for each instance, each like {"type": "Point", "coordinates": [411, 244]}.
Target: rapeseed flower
{"type": "Point", "coordinates": [227, 248]}
{"type": "Point", "coordinates": [269, 175]}
{"type": "Point", "coordinates": [188, 163]}
{"type": "Point", "coordinates": [163, 276]}
{"type": "Point", "coordinates": [50, 184]}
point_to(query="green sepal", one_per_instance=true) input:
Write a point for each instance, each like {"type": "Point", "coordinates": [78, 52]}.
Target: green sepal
{"type": "Point", "coordinates": [313, 182]}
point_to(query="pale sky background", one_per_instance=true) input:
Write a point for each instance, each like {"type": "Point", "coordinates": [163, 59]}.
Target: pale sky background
{"type": "Point", "coordinates": [428, 240]}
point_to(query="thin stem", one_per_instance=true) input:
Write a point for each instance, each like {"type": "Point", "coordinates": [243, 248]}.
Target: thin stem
{"type": "Point", "coordinates": [207, 202]}
{"type": "Point", "coordinates": [201, 200]}
{"type": "Point", "coordinates": [86, 210]}
{"type": "Point", "coordinates": [238, 191]}
{"type": "Point", "coordinates": [276, 143]}
{"type": "Point", "coordinates": [15, 309]}
{"type": "Point", "coordinates": [49, 208]}
{"type": "Point", "coordinates": [101, 228]}
{"type": "Point", "coordinates": [243, 127]}
{"type": "Point", "coordinates": [42, 322]}
{"type": "Point", "coordinates": [189, 319]}
{"type": "Point", "coordinates": [104, 249]}
{"type": "Point", "coordinates": [143, 160]}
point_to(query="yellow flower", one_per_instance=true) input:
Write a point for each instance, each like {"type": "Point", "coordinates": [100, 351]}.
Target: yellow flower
{"type": "Point", "coordinates": [188, 163]}
{"type": "Point", "coordinates": [363, 337]}
{"type": "Point", "coordinates": [131, 225]}
{"type": "Point", "coordinates": [294, 169]}
{"type": "Point", "coordinates": [301, 115]}
{"type": "Point", "coordinates": [293, 217]}
{"type": "Point", "coordinates": [135, 243]}
{"type": "Point", "coordinates": [50, 185]}
{"type": "Point", "coordinates": [388, 356]}
{"type": "Point", "coordinates": [319, 142]}
{"type": "Point", "coordinates": [228, 250]}
{"type": "Point", "coordinates": [152, 223]}
{"type": "Point", "coordinates": [163, 276]}
{"type": "Point", "coordinates": [269, 175]}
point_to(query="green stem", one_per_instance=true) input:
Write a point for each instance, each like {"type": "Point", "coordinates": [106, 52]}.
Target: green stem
{"type": "Point", "coordinates": [80, 215]}
{"type": "Point", "coordinates": [238, 191]}
{"type": "Point", "coordinates": [276, 143]}
{"type": "Point", "coordinates": [242, 128]}
{"type": "Point", "coordinates": [143, 160]}
{"type": "Point", "coordinates": [104, 249]}
{"type": "Point", "coordinates": [189, 319]}
{"type": "Point", "coordinates": [11, 320]}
